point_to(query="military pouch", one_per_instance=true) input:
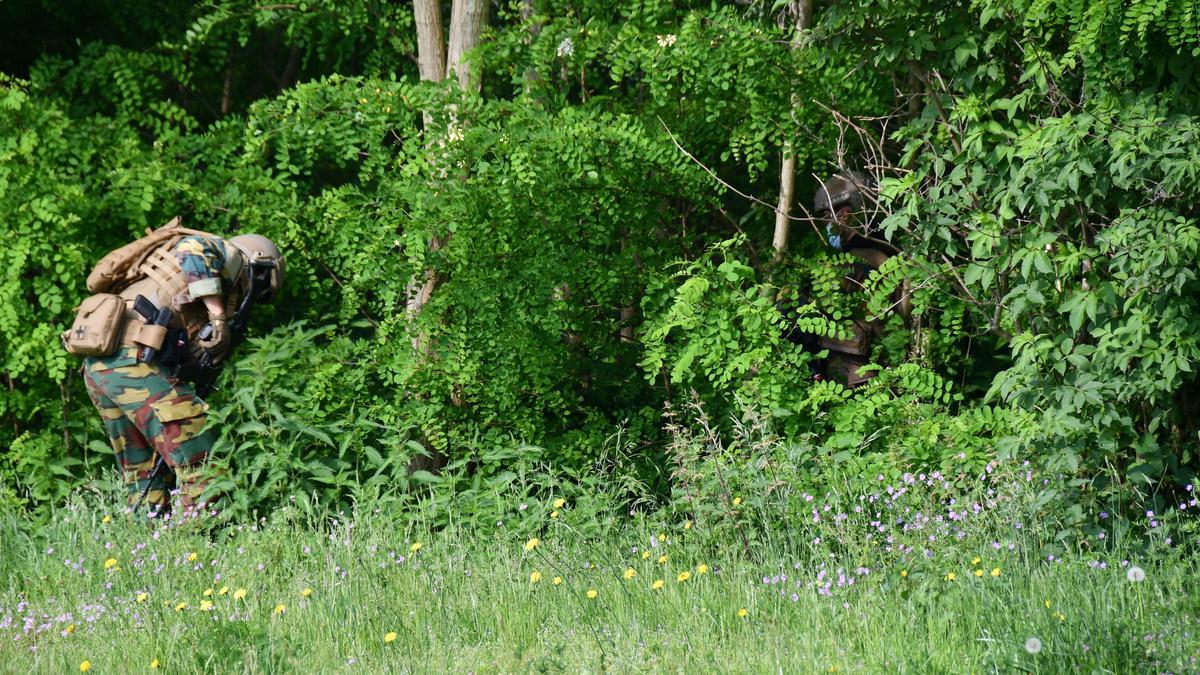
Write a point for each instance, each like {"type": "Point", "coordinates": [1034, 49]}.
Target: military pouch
{"type": "Point", "coordinates": [98, 324]}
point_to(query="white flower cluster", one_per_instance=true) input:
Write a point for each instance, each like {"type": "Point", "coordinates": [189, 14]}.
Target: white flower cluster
{"type": "Point", "coordinates": [665, 40]}
{"type": "Point", "coordinates": [566, 48]}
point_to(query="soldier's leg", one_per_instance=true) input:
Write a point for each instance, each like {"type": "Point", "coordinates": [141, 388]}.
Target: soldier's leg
{"type": "Point", "coordinates": [135, 454]}
{"type": "Point", "coordinates": [169, 416]}
{"type": "Point", "coordinates": [174, 422]}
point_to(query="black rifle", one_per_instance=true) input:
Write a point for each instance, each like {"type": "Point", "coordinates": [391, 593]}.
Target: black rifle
{"type": "Point", "coordinates": [204, 372]}
{"type": "Point", "coordinates": [158, 465]}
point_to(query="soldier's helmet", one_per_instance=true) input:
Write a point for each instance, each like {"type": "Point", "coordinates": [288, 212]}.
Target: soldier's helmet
{"type": "Point", "coordinates": [264, 263]}
{"type": "Point", "coordinates": [839, 204]}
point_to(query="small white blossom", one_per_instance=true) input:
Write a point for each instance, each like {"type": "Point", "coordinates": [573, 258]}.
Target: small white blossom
{"type": "Point", "coordinates": [665, 40]}
{"type": "Point", "coordinates": [566, 48]}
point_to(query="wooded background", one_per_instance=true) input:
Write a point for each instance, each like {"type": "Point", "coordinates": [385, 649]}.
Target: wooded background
{"type": "Point", "coordinates": [516, 230]}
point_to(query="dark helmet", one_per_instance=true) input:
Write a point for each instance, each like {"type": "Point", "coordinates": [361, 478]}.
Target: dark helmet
{"type": "Point", "coordinates": [837, 198]}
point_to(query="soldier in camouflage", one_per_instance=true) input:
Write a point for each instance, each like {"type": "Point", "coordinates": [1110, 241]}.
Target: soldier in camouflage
{"type": "Point", "coordinates": [147, 413]}
{"type": "Point", "coordinates": [849, 228]}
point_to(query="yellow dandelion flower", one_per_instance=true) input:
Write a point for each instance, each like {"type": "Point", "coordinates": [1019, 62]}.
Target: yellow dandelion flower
{"type": "Point", "coordinates": [181, 606]}
{"type": "Point", "coordinates": [207, 592]}
{"type": "Point", "coordinates": [554, 514]}
{"type": "Point", "coordinates": [557, 580]}
{"type": "Point", "coordinates": [85, 666]}
{"type": "Point", "coordinates": [192, 556]}
{"type": "Point", "coordinates": [737, 501]}
{"type": "Point", "coordinates": [223, 591]}
{"type": "Point", "coordinates": [1060, 616]}
{"type": "Point", "coordinates": [306, 592]}
{"type": "Point", "coordinates": [532, 544]}
{"type": "Point", "coordinates": [591, 594]}
{"type": "Point", "coordinates": [995, 571]}
{"type": "Point", "coordinates": [71, 629]}
{"type": "Point", "coordinates": [142, 597]}
{"type": "Point", "coordinates": [743, 612]}
{"type": "Point", "coordinates": [1047, 603]}
{"type": "Point", "coordinates": [701, 569]}
{"type": "Point", "coordinates": [975, 560]}
{"type": "Point", "coordinates": [978, 573]}
{"type": "Point", "coordinates": [239, 594]}
{"type": "Point", "coordinates": [951, 576]}
{"type": "Point", "coordinates": [657, 585]}
{"type": "Point", "coordinates": [903, 573]}
{"type": "Point", "coordinates": [559, 503]}
{"type": "Point", "coordinates": [106, 519]}
{"type": "Point", "coordinates": [535, 577]}
{"type": "Point", "coordinates": [662, 559]}
{"type": "Point", "coordinates": [629, 574]}
{"type": "Point", "coordinates": [110, 563]}
{"type": "Point", "coordinates": [687, 524]}
{"type": "Point", "coordinates": [683, 576]}
{"type": "Point", "coordinates": [362, 100]}
{"type": "Point", "coordinates": [645, 555]}
{"type": "Point", "coordinates": [154, 664]}
{"type": "Point", "coordinates": [280, 608]}
{"type": "Point", "coordinates": [415, 547]}
{"type": "Point", "coordinates": [206, 605]}
{"type": "Point", "coordinates": [390, 637]}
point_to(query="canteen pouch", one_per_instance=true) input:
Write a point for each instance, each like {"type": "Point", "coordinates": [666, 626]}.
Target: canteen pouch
{"type": "Point", "coordinates": [97, 328]}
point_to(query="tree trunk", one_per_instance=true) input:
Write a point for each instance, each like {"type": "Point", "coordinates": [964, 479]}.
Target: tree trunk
{"type": "Point", "coordinates": [431, 61]}
{"type": "Point", "coordinates": [787, 172]}
{"type": "Point", "coordinates": [535, 29]}
{"type": "Point", "coordinates": [467, 19]}
{"type": "Point", "coordinates": [431, 47]}
{"type": "Point", "coordinates": [227, 87]}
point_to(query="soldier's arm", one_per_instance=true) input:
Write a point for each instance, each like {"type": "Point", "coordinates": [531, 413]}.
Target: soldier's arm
{"type": "Point", "coordinates": [202, 260]}
{"type": "Point", "coordinates": [215, 305]}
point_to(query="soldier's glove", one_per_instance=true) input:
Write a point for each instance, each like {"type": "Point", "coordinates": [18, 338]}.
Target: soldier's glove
{"type": "Point", "coordinates": [218, 341]}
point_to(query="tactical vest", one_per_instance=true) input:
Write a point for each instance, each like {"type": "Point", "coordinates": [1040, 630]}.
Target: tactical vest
{"type": "Point", "coordinates": [153, 271]}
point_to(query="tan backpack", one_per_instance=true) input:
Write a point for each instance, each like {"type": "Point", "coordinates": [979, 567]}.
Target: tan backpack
{"type": "Point", "coordinates": [100, 319]}
{"type": "Point", "coordinates": [123, 266]}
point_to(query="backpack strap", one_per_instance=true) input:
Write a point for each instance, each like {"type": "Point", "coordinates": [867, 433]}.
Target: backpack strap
{"type": "Point", "coordinates": [163, 267]}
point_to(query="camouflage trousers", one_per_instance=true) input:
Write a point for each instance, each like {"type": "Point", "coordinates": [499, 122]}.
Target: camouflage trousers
{"type": "Point", "coordinates": [147, 415]}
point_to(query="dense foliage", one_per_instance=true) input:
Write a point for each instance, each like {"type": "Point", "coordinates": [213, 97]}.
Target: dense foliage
{"type": "Point", "coordinates": [602, 211]}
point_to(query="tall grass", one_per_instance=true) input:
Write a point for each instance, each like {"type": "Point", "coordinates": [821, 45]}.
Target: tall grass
{"type": "Point", "coordinates": [376, 591]}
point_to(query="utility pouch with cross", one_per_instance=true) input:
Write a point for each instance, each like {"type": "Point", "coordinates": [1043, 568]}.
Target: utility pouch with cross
{"type": "Point", "coordinates": [99, 323]}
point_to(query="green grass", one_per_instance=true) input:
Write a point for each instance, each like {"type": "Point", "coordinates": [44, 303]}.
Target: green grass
{"type": "Point", "coordinates": [465, 602]}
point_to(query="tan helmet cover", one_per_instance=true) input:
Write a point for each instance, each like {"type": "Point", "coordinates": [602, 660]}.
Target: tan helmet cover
{"type": "Point", "coordinates": [256, 248]}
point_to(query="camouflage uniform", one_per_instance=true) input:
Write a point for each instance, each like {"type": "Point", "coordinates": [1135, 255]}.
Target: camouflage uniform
{"type": "Point", "coordinates": [147, 414]}
{"type": "Point", "coordinates": [848, 225]}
